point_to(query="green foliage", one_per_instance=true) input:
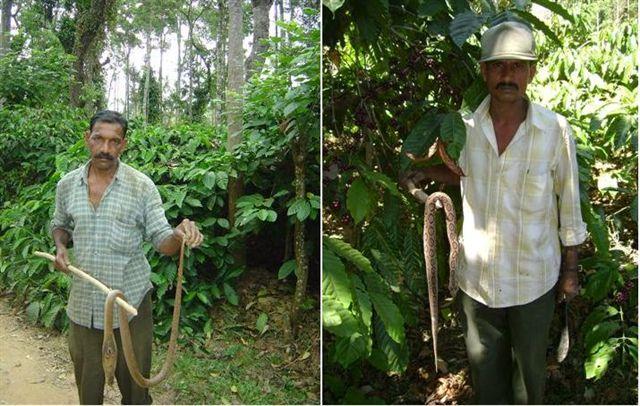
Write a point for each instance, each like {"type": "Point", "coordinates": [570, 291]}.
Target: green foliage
{"type": "Point", "coordinates": [358, 310]}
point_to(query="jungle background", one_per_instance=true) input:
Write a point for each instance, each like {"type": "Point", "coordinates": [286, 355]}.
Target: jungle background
{"type": "Point", "coordinates": [397, 74]}
{"type": "Point", "coordinates": [232, 143]}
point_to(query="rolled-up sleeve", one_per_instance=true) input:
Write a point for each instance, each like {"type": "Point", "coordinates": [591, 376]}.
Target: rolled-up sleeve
{"type": "Point", "coordinates": [573, 230]}
{"type": "Point", "coordinates": [61, 218]}
{"type": "Point", "coordinates": [157, 228]}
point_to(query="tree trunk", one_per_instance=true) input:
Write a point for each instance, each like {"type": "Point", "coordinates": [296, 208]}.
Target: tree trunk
{"type": "Point", "coordinates": [260, 32]}
{"type": "Point", "coordinates": [221, 66]}
{"type": "Point", "coordinates": [179, 78]}
{"type": "Point", "coordinates": [89, 40]}
{"type": "Point", "coordinates": [147, 79]}
{"type": "Point", "coordinates": [127, 76]}
{"type": "Point", "coordinates": [162, 41]}
{"type": "Point", "coordinates": [299, 152]}
{"type": "Point", "coordinates": [5, 27]}
{"type": "Point", "coordinates": [234, 111]}
{"type": "Point", "coordinates": [191, 73]}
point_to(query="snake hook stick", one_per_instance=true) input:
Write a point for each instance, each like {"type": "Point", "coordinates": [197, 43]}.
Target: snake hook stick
{"type": "Point", "coordinates": [433, 202]}
{"type": "Point", "coordinates": [109, 348]}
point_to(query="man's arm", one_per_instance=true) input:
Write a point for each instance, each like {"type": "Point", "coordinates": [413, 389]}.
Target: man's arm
{"type": "Point", "coordinates": [439, 173]}
{"type": "Point", "coordinates": [572, 229]}
{"type": "Point", "coordinates": [61, 238]}
{"type": "Point", "coordinates": [568, 284]}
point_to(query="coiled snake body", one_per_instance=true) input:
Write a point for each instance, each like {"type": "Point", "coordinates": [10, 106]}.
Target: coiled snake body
{"type": "Point", "coordinates": [110, 350]}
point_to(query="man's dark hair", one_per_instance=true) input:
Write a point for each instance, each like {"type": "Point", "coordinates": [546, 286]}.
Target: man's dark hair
{"type": "Point", "coordinates": [109, 116]}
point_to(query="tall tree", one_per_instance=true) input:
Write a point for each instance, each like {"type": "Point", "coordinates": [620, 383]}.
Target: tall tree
{"type": "Point", "coordinates": [89, 41]}
{"type": "Point", "coordinates": [260, 33]}
{"type": "Point", "coordinates": [220, 64]}
{"type": "Point", "coordinates": [234, 107]}
{"type": "Point", "coordinates": [5, 27]}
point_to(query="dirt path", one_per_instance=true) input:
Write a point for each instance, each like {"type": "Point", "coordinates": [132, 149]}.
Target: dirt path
{"type": "Point", "coordinates": [35, 367]}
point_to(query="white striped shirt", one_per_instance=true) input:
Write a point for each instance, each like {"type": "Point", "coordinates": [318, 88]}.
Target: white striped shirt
{"type": "Point", "coordinates": [517, 207]}
{"type": "Point", "coordinates": [107, 241]}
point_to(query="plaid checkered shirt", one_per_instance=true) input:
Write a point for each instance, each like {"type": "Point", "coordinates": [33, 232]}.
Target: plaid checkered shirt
{"type": "Point", "coordinates": [517, 207]}
{"type": "Point", "coordinates": [107, 240]}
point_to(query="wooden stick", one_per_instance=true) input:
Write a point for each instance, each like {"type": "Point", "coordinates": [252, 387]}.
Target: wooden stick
{"type": "Point", "coordinates": [78, 272]}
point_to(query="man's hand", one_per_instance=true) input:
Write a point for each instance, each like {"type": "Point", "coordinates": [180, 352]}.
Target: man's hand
{"type": "Point", "coordinates": [188, 231]}
{"type": "Point", "coordinates": [62, 260]}
{"type": "Point", "coordinates": [568, 284]}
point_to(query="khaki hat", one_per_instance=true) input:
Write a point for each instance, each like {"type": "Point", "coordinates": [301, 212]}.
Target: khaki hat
{"type": "Point", "coordinates": [508, 40]}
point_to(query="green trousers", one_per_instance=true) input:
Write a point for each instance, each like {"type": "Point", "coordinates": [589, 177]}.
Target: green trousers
{"type": "Point", "coordinates": [506, 348]}
{"type": "Point", "coordinates": [85, 346]}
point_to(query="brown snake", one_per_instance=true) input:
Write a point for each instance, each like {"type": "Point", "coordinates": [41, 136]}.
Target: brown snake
{"type": "Point", "coordinates": [429, 244]}
{"type": "Point", "coordinates": [110, 350]}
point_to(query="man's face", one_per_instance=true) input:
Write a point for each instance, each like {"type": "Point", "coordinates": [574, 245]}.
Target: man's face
{"type": "Point", "coordinates": [105, 142]}
{"type": "Point", "coordinates": [507, 79]}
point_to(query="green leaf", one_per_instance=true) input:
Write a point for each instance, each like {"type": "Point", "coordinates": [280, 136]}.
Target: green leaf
{"type": "Point", "coordinates": [634, 209]}
{"type": "Point", "coordinates": [300, 208]}
{"type": "Point", "coordinates": [597, 363]}
{"type": "Point", "coordinates": [360, 200]}
{"type": "Point", "coordinates": [463, 26]}
{"type": "Point", "coordinates": [600, 283]}
{"type": "Point", "coordinates": [287, 268]}
{"type": "Point", "coordinates": [333, 5]}
{"type": "Point", "coordinates": [382, 179]}
{"type": "Point", "coordinates": [454, 133]}
{"type": "Point", "coordinates": [49, 317]}
{"type": "Point", "coordinates": [209, 180]}
{"type": "Point", "coordinates": [346, 251]}
{"type": "Point", "coordinates": [192, 202]}
{"type": "Point", "coordinates": [556, 8]}
{"type": "Point", "coordinates": [422, 135]}
{"type": "Point", "coordinates": [231, 294]}
{"type": "Point", "coordinates": [224, 223]}
{"type": "Point", "coordinates": [431, 7]}
{"type": "Point", "coordinates": [335, 282]}
{"type": "Point", "coordinates": [534, 21]}
{"type": "Point", "coordinates": [397, 355]}
{"type": "Point", "coordinates": [364, 303]}
{"type": "Point", "coordinates": [33, 311]}
{"type": "Point", "coordinates": [349, 349]}
{"type": "Point", "coordinates": [203, 298]}
{"type": "Point", "coordinates": [600, 333]}
{"type": "Point", "coordinates": [222, 180]}
{"type": "Point", "coordinates": [600, 313]}
{"type": "Point", "coordinates": [261, 323]}
{"type": "Point", "coordinates": [336, 318]}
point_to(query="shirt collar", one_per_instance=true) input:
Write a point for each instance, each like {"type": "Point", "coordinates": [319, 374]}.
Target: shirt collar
{"type": "Point", "coordinates": [85, 172]}
{"type": "Point", "coordinates": [534, 116]}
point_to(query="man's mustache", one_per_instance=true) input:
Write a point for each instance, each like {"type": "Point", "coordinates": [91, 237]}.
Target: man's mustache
{"type": "Point", "coordinates": [507, 85]}
{"type": "Point", "coordinates": [104, 156]}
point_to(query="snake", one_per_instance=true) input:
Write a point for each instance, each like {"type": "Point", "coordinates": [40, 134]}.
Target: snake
{"type": "Point", "coordinates": [431, 261]}
{"type": "Point", "coordinates": [431, 204]}
{"type": "Point", "coordinates": [110, 350]}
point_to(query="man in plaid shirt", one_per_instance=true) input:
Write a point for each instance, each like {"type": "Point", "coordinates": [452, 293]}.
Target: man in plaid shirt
{"type": "Point", "coordinates": [108, 209]}
{"type": "Point", "coordinates": [520, 202]}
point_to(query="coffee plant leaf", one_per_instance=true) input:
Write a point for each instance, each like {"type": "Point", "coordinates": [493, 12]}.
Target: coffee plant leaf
{"type": "Point", "coordinates": [431, 8]}
{"type": "Point", "coordinates": [556, 8]}
{"type": "Point", "coordinates": [463, 26]}
{"type": "Point", "coordinates": [287, 269]}
{"type": "Point", "coordinates": [600, 333]}
{"type": "Point", "coordinates": [335, 281]}
{"type": "Point", "coordinates": [597, 363]}
{"type": "Point", "coordinates": [454, 133]}
{"type": "Point", "coordinates": [337, 319]}
{"type": "Point", "coordinates": [538, 24]}
{"type": "Point", "coordinates": [261, 323]}
{"type": "Point", "coordinates": [360, 200]}
{"type": "Point", "coordinates": [346, 251]}
{"type": "Point", "coordinates": [349, 349]}
{"type": "Point", "coordinates": [395, 355]}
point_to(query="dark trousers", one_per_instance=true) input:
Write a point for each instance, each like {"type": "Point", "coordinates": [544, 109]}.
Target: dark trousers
{"type": "Point", "coordinates": [506, 348]}
{"type": "Point", "coordinates": [85, 346]}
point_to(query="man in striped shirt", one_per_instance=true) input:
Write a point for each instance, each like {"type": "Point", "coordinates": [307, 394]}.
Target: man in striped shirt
{"type": "Point", "coordinates": [108, 209]}
{"type": "Point", "coordinates": [520, 202]}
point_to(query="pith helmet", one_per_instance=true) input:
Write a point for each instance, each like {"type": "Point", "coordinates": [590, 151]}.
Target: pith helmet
{"type": "Point", "coordinates": [508, 40]}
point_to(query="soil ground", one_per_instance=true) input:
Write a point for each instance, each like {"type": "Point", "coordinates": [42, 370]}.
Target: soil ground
{"type": "Point", "coordinates": [35, 367]}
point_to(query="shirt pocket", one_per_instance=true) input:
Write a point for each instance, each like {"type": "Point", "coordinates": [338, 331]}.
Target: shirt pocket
{"type": "Point", "coordinates": [536, 189]}
{"type": "Point", "coordinates": [125, 237]}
